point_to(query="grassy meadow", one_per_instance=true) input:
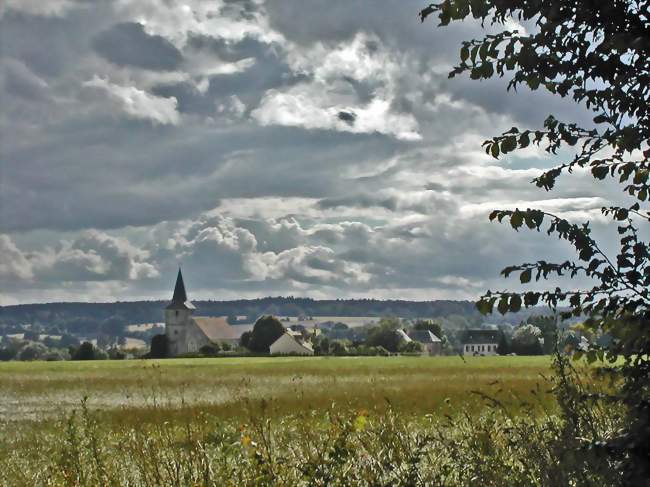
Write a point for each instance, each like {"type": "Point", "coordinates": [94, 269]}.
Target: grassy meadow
{"type": "Point", "coordinates": [418, 385]}
{"type": "Point", "coordinates": [277, 421]}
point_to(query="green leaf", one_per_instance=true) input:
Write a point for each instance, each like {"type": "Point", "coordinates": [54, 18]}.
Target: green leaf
{"type": "Point", "coordinates": [508, 145]}
{"type": "Point", "coordinates": [515, 303]}
{"type": "Point", "coordinates": [524, 140]}
{"type": "Point", "coordinates": [464, 53]}
{"type": "Point", "coordinates": [484, 306]}
{"type": "Point", "coordinates": [525, 276]}
{"type": "Point", "coordinates": [517, 219]}
{"type": "Point", "coordinates": [494, 150]}
{"type": "Point", "coordinates": [600, 172]}
{"type": "Point", "coordinates": [503, 305]}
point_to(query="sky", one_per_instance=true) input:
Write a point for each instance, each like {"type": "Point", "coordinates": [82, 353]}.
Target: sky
{"type": "Point", "coordinates": [279, 147]}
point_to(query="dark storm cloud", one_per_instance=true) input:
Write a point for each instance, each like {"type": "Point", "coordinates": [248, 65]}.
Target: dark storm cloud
{"type": "Point", "coordinates": [127, 44]}
{"type": "Point", "coordinates": [282, 204]}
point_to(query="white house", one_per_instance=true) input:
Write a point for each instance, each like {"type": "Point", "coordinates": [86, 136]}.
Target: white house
{"type": "Point", "coordinates": [186, 333]}
{"type": "Point", "coordinates": [481, 342]}
{"type": "Point", "coordinates": [291, 342]}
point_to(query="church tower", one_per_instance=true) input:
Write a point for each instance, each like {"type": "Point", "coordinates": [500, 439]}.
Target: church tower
{"type": "Point", "coordinates": [178, 315]}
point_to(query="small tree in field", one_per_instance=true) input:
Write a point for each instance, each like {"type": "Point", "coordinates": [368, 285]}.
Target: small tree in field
{"type": "Point", "coordinates": [597, 53]}
{"type": "Point", "coordinates": [266, 331]}
{"type": "Point", "coordinates": [525, 340]}
{"type": "Point", "coordinates": [86, 351]}
{"type": "Point", "coordinates": [158, 346]}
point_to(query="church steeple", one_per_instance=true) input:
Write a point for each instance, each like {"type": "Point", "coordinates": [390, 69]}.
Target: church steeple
{"type": "Point", "coordinates": [179, 299]}
{"type": "Point", "coordinates": [179, 290]}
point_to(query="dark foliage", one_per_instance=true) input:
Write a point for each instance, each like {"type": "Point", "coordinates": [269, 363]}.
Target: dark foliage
{"type": "Point", "coordinates": [384, 335]}
{"type": "Point", "coordinates": [158, 346]}
{"type": "Point", "coordinates": [266, 330]}
{"type": "Point", "coordinates": [86, 351]}
{"type": "Point", "coordinates": [597, 53]}
{"type": "Point", "coordinates": [210, 350]}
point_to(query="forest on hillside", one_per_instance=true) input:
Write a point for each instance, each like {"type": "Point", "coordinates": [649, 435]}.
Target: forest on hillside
{"type": "Point", "coordinates": [55, 314]}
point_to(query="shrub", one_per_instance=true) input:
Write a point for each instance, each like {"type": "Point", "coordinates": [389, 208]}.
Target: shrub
{"type": "Point", "coordinates": [159, 346]}
{"type": "Point", "coordinates": [338, 347]}
{"type": "Point", "coordinates": [32, 351]}
{"type": "Point", "coordinates": [7, 353]}
{"type": "Point", "coordinates": [209, 350]}
{"type": "Point", "coordinates": [86, 351]}
{"type": "Point", "coordinates": [411, 347]}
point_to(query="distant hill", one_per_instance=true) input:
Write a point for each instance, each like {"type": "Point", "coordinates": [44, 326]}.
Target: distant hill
{"type": "Point", "coordinates": [53, 314]}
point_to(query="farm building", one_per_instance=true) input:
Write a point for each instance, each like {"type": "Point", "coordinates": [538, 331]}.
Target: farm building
{"type": "Point", "coordinates": [481, 342]}
{"type": "Point", "coordinates": [186, 333]}
{"type": "Point", "coordinates": [431, 344]}
{"type": "Point", "coordinates": [291, 342]}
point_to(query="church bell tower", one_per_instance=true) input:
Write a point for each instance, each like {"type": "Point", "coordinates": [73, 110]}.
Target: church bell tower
{"type": "Point", "coordinates": [178, 314]}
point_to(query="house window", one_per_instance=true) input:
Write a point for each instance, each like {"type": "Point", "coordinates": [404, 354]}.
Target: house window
{"type": "Point", "coordinates": [472, 348]}
{"type": "Point", "coordinates": [488, 348]}
{"type": "Point", "coordinates": [176, 312]}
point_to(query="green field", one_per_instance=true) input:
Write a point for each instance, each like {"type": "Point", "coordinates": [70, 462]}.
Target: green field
{"type": "Point", "coordinates": [41, 390]}
{"type": "Point", "coordinates": [277, 421]}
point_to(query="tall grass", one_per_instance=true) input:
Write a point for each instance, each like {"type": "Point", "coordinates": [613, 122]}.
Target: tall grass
{"type": "Point", "coordinates": [504, 443]}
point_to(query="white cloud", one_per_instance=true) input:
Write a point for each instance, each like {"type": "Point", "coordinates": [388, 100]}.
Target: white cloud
{"type": "Point", "coordinates": [328, 99]}
{"type": "Point", "coordinates": [46, 8]}
{"type": "Point", "coordinates": [138, 103]}
{"type": "Point", "coordinates": [13, 264]}
{"type": "Point", "coordinates": [176, 21]}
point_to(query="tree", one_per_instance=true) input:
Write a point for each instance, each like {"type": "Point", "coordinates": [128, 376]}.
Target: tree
{"type": "Point", "coordinates": [338, 347]}
{"type": "Point", "coordinates": [245, 338]}
{"type": "Point", "coordinates": [526, 340]}
{"type": "Point", "coordinates": [597, 53]}
{"type": "Point", "coordinates": [321, 345]}
{"type": "Point", "coordinates": [32, 351]}
{"type": "Point", "coordinates": [86, 351]}
{"type": "Point", "coordinates": [385, 335]}
{"type": "Point", "coordinates": [7, 353]}
{"type": "Point", "coordinates": [503, 348]}
{"type": "Point", "coordinates": [159, 346]}
{"type": "Point", "coordinates": [267, 330]}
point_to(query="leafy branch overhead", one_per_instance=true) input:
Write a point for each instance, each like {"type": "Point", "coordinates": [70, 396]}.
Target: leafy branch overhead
{"type": "Point", "coordinates": [598, 54]}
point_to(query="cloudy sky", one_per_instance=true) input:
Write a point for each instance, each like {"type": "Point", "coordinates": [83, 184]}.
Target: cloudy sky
{"type": "Point", "coordinates": [280, 147]}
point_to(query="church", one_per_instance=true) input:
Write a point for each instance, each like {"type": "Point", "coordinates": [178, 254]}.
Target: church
{"type": "Point", "coordinates": [187, 333]}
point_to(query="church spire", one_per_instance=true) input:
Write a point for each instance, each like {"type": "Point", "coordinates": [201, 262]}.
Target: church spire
{"type": "Point", "coordinates": [179, 299]}
{"type": "Point", "coordinates": [180, 296]}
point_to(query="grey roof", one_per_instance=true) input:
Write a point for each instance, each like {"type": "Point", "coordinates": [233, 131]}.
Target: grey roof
{"type": "Point", "coordinates": [424, 336]}
{"type": "Point", "coordinates": [481, 336]}
{"type": "Point", "coordinates": [179, 299]}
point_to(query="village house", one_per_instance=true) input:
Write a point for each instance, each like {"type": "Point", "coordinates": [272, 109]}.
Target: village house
{"type": "Point", "coordinates": [481, 342]}
{"type": "Point", "coordinates": [431, 344]}
{"type": "Point", "coordinates": [291, 342]}
{"type": "Point", "coordinates": [187, 333]}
